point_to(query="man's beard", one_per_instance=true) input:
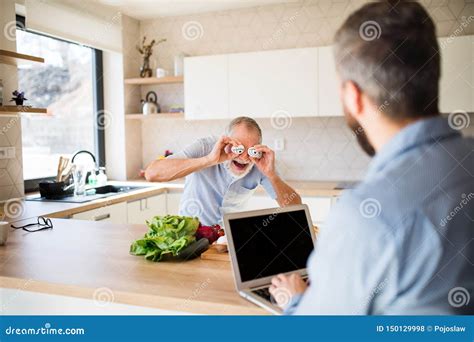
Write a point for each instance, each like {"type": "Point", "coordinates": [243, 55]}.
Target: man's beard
{"type": "Point", "coordinates": [359, 132]}
{"type": "Point", "coordinates": [228, 167]}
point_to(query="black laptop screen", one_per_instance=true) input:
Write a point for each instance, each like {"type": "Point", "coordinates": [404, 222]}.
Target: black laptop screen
{"type": "Point", "coordinates": [271, 244]}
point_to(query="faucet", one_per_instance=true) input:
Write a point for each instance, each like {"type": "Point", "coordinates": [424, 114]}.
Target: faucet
{"type": "Point", "coordinates": [84, 151]}
{"type": "Point", "coordinates": [88, 173]}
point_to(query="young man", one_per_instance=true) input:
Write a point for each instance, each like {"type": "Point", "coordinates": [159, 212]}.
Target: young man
{"type": "Point", "coordinates": [402, 242]}
{"type": "Point", "coordinates": [218, 180]}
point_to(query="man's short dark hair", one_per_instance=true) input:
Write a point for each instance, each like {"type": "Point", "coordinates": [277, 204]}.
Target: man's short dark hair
{"type": "Point", "coordinates": [390, 51]}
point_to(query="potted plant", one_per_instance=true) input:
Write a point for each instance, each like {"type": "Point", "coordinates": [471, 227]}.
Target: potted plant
{"type": "Point", "coordinates": [146, 51]}
{"type": "Point", "coordinates": [18, 97]}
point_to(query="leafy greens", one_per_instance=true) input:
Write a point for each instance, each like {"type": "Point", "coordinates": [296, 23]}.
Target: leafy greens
{"type": "Point", "coordinates": [166, 234]}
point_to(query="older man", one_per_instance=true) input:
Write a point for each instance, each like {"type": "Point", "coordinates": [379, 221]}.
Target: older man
{"type": "Point", "coordinates": [402, 242]}
{"type": "Point", "coordinates": [221, 179]}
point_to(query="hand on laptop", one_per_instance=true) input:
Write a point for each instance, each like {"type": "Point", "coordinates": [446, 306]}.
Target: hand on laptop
{"type": "Point", "coordinates": [291, 285]}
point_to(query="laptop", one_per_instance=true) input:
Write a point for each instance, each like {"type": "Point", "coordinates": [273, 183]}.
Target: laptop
{"type": "Point", "coordinates": [264, 243]}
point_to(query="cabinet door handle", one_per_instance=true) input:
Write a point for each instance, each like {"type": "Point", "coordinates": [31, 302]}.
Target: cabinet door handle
{"type": "Point", "coordinates": [101, 217]}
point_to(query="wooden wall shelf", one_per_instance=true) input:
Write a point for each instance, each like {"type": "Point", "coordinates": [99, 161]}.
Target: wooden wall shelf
{"type": "Point", "coordinates": [14, 58]}
{"type": "Point", "coordinates": [154, 116]}
{"type": "Point", "coordinates": [154, 80]}
{"type": "Point", "coordinates": [21, 109]}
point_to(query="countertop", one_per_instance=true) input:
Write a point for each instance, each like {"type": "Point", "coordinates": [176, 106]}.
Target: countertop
{"type": "Point", "coordinates": [86, 259]}
{"type": "Point", "coordinates": [314, 188]}
{"type": "Point", "coordinates": [32, 209]}
{"type": "Point", "coordinates": [91, 260]}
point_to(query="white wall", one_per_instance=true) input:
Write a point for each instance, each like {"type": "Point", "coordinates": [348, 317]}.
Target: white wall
{"type": "Point", "coordinates": [132, 62]}
{"type": "Point", "coordinates": [113, 115]}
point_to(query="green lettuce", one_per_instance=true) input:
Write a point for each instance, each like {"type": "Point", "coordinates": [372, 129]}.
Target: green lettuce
{"type": "Point", "coordinates": [166, 235]}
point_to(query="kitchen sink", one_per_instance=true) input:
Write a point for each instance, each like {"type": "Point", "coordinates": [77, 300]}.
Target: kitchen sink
{"type": "Point", "coordinates": [114, 189]}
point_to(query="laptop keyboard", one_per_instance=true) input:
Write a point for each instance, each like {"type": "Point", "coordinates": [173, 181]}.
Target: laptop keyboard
{"type": "Point", "coordinates": [264, 292]}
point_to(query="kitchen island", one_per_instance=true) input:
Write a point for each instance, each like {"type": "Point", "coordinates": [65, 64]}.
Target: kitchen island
{"type": "Point", "coordinates": [86, 259]}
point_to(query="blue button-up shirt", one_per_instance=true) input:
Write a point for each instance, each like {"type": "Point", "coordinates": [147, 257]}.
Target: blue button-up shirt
{"type": "Point", "coordinates": [213, 191]}
{"type": "Point", "coordinates": [401, 242]}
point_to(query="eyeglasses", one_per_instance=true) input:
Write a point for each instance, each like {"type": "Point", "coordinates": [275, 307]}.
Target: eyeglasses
{"type": "Point", "coordinates": [42, 224]}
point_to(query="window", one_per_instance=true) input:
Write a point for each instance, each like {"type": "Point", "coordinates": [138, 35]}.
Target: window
{"type": "Point", "coordinates": [66, 85]}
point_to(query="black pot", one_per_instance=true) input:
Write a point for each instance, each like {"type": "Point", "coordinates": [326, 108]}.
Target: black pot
{"type": "Point", "coordinates": [53, 190]}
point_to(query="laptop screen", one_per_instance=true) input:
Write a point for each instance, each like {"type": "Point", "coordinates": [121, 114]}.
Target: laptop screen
{"type": "Point", "coordinates": [271, 244]}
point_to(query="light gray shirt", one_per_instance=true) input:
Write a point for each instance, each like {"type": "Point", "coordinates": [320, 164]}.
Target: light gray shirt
{"type": "Point", "coordinates": [213, 191]}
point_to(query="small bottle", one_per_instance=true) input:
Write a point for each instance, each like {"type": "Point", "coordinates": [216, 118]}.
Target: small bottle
{"type": "Point", "coordinates": [92, 180]}
{"type": "Point", "coordinates": [179, 64]}
{"type": "Point", "coordinates": [101, 177]}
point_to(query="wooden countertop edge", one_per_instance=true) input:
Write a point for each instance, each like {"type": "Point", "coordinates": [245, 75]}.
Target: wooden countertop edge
{"type": "Point", "coordinates": [122, 297]}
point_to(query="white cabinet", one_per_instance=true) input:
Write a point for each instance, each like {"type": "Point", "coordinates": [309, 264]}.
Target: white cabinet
{"type": "Point", "coordinates": [205, 87]}
{"type": "Point", "coordinates": [116, 213]}
{"type": "Point", "coordinates": [172, 202]}
{"type": "Point", "coordinates": [264, 83]}
{"type": "Point", "coordinates": [457, 74]}
{"type": "Point", "coordinates": [257, 84]}
{"type": "Point", "coordinates": [301, 82]}
{"type": "Point", "coordinates": [135, 212]}
{"type": "Point", "coordinates": [328, 84]}
{"type": "Point", "coordinates": [258, 202]}
{"type": "Point", "coordinates": [139, 211]}
{"type": "Point", "coordinates": [319, 208]}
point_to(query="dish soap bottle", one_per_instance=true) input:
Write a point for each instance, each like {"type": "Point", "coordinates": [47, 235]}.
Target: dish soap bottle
{"type": "Point", "coordinates": [92, 180]}
{"type": "Point", "coordinates": [101, 177]}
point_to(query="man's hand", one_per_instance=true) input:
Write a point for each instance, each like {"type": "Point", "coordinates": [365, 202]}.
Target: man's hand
{"type": "Point", "coordinates": [285, 194]}
{"type": "Point", "coordinates": [284, 287]}
{"type": "Point", "coordinates": [266, 164]}
{"type": "Point", "coordinates": [218, 154]}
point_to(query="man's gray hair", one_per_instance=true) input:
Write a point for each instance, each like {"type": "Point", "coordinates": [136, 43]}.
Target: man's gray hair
{"type": "Point", "coordinates": [248, 122]}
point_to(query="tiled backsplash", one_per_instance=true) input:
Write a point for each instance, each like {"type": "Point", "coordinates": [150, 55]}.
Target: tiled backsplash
{"type": "Point", "coordinates": [316, 148]}
{"type": "Point", "coordinates": [11, 172]}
